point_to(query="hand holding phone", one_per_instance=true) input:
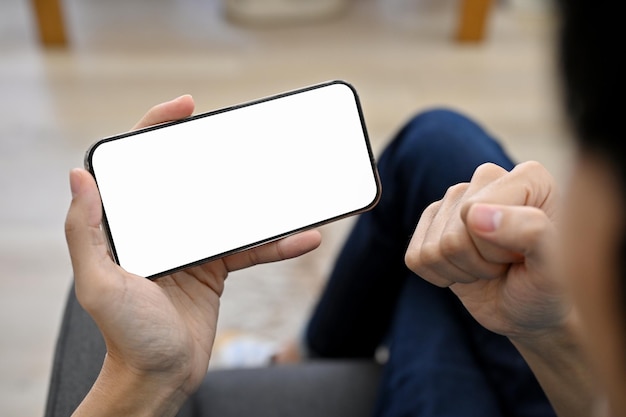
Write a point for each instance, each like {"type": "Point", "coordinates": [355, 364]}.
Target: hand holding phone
{"type": "Point", "coordinates": [159, 333]}
{"type": "Point", "coordinates": [183, 193]}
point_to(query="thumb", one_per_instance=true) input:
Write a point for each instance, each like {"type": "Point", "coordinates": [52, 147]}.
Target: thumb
{"type": "Point", "coordinates": [85, 240]}
{"type": "Point", "coordinates": [524, 230]}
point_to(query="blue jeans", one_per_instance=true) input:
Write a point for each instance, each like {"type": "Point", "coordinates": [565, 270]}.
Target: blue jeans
{"type": "Point", "coordinates": [441, 361]}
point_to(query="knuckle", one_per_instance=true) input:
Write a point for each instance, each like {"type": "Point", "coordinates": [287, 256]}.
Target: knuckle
{"type": "Point", "coordinates": [429, 255]}
{"type": "Point", "coordinates": [488, 170]}
{"type": "Point", "coordinates": [455, 191]}
{"type": "Point", "coordinates": [410, 260]}
{"type": "Point", "coordinates": [92, 295]}
{"type": "Point", "coordinates": [431, 209]}
{"type": "Point", "coordinates": [70, 228]}
{"type": "Point", "coordinates": [533, 166]}
{"type": "Point", "coordinates": [253, 257]}
{"type": "Point", "coordinates": [438, 281]}
{"type": "Point", "coordinates": [280, 250]}
{"type": "Point", "coordinates": [452, 243]}
{"type": "Point", "coordinates": [423, 263]}
{"type": "Point", "coordinates": [428, 216]}
{"type": "Point", "coordinates": [71, 225]}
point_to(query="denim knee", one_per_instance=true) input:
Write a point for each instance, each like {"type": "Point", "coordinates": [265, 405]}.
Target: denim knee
{"type": "Point", "coordinates": [447, 137]}
{"type": "Point", "coordinates": [433, 151]}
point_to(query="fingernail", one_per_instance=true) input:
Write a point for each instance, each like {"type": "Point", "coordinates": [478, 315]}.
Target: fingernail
{"type": "Point", "coordinates": [486, 218]}
{"type": "Point", "coordinates": [75, 182]}
{"type": "Point", "coordinates": [181, 97]}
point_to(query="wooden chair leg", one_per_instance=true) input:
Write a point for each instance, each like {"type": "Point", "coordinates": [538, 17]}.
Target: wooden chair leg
{"type": "Point", "coordinates": [473, 20]}
{"type": "Point", "coordinates": [50, 23]}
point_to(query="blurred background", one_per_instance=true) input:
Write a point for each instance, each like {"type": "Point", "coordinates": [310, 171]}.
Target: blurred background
{"type": "Point", "coordinates": [123, 56]}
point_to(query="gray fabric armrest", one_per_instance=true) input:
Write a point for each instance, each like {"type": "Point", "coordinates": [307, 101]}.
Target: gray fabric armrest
{"type": "Point", "coordinates": [77, 360]}
{"type": "Point", "coordinates": [317, 388]}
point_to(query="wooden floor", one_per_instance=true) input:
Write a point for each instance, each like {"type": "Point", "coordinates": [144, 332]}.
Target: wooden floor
{"type": "Point", "coordinates": [125, 56]}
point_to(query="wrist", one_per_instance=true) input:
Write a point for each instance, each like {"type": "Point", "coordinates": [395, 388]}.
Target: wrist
{"type": "Point", "coordinates": [556, 357]}
{"type": "Point", "coordinates": [121, 390]}
{"type": "Point", "coordinates": [560, 337]}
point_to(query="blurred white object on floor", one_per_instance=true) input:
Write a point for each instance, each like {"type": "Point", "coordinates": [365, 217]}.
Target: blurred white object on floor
{"type": "Point", "coordinates": [282, 11]}
{"type": "Point", "coordinates": [237, 350]}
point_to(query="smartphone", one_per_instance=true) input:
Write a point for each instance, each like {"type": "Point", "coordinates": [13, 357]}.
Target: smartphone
{"type": "Point", "coordinates": [182, 193]}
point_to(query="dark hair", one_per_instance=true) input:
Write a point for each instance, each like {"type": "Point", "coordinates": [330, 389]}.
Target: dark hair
{"type": "Point", "coordinates": [593, 74]}
{"type": "Point", "coordinates": [591, 47]}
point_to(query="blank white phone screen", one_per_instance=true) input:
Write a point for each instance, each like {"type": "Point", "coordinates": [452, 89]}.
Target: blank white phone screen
{"type": "Point", "coordinates": [181, 194]}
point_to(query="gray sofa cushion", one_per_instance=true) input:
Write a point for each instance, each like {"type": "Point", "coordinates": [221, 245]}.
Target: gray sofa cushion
{"type": "Point", "coordinates": [312, 389]}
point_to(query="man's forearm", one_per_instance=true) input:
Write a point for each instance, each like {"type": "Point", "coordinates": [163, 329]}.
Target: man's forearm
{"type": "Point", "coordinates": [561, 368]}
